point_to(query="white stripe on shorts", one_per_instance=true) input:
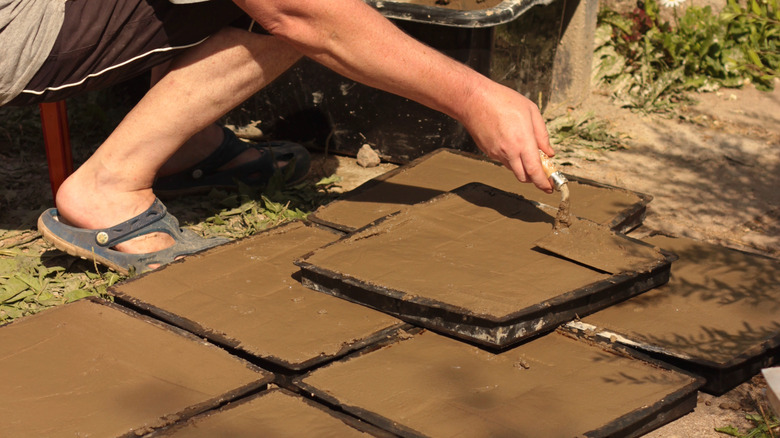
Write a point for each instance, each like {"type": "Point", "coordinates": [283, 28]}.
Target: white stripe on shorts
{"type": "Point", "coordinates": [92, 75]}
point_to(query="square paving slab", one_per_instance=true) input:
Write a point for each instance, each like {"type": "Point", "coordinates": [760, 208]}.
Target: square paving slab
{"type": "Point", "coordinates": [245, 295]}
{"type": "Point", "coordinates": [275, 413]}
{"type": "Point", "coordinates": [444, 170]}
{"type": "Point", "coordinates": [94, 369]}
{"type": "Point", "coordinates": [719, 315]}
{"type": "Point", "coordinates": [553, 386]}
{"type": "Point", "coordinates": [466, 263]}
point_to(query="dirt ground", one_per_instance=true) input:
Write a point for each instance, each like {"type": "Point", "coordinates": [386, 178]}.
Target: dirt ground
{"type": "Point", "coordinates": [713, 169]}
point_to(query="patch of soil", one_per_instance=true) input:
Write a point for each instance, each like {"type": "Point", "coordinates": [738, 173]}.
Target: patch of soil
{"type": "Point", "coordinates": [712, 167]}
{"type": "Point", "coordinates": [715, 412]}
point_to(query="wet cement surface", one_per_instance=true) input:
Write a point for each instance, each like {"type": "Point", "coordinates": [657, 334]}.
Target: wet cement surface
{"type": "Point", "coordinates": [86, 369]}
{"type": "Point", "coordinates": [718, 305]}
{"type": "Point", "coordinates": [276, 413]}
{"type": "Point", "coordinates": [442, 171]}
{"type": "Point", "coordinates": [245, 294]}
{"type": "Point", "coordinates": [550, 387]}
{"type": "Point", "coordinates": [597, 246]}
{"type": "Point", "coordinates": [473, 250]}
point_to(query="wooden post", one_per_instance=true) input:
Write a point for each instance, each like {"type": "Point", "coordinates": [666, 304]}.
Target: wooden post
{"type": "Point", "coordinates": [56, 137]}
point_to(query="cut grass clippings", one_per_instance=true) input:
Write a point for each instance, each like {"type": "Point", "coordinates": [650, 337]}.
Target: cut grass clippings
{"type": "Point", "coordinates": [30, 280]}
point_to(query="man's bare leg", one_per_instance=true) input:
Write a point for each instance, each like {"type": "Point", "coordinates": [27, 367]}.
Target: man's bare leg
{"type": "Point", "coordinates": [200, 145]}
{"type": "Point", "coordinates": [205, 82]}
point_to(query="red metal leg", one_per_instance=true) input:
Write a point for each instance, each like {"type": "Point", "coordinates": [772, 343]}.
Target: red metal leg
{"type": "Point", "coordinates": [56, 137]}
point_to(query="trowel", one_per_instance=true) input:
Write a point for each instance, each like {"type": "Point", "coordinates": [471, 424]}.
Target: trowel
{"type": "Point", "coordinates": [589, 243]}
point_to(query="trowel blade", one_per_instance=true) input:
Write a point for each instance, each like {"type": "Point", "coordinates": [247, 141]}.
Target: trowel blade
{"type": "Point", "coordinates": [599, 247]}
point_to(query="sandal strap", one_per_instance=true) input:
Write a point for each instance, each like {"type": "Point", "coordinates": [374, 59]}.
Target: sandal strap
{"type": "Point", "coordinates": [108, 237]}
{"type": "Point", "coordinates": [230, 148]}
{"type": "Point", "coordinates": [187, 242]}
{"type": "Point", "coordinates": [255, 173]}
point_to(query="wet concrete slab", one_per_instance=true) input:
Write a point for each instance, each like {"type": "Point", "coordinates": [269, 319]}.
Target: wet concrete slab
{"type": "Point", "coordinates": [246, 295]}
{"type": "Point", "coordinates": [466, 263]}
{"type": "Point", "coordinates": [719, 315]}
{"type": "Point", "coordinates": [94, 369]}
{"type": "Point", "coordinates": [444, 170]}
{"type": "Point", "coordinates": [553, 386]}
{"type": "Point", "coordinates": [274, 413]}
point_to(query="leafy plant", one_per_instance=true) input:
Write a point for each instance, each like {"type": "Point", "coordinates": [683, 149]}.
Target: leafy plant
{"type": "Point", "coordinates": [248, 211]}
{"type": "Point", "coordinates": [764, 427]}
{"type": "Point", "coordinates": [648, 63]}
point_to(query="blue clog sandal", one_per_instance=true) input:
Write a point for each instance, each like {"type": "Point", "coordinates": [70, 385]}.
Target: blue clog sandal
{"type": "Point", "coordinates": [97, 244]}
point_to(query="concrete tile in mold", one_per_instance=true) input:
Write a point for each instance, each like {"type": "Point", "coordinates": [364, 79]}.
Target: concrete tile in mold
{"type": "Point", "coordinates": [719, 315]}
{"type": "Point", "coordinates": [553, 386]}
{"type": "Point", "coordinates": [445, 170]}
{"type": "Point", "coordinates": [466, 263]}
{"type": "Point", "coordinates": [245, 295]}
{"type": "Point", "coordinates": [93, 369]}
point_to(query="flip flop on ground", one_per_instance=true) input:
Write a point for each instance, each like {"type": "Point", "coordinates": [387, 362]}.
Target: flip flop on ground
{"type": "Point", "coordinates": [290, 159]}
{"type": "Point", "coordinates": [97, 244]}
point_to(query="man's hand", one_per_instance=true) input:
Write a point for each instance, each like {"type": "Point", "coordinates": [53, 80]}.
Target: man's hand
{"type": "Point", "coordinates": [509, 128]}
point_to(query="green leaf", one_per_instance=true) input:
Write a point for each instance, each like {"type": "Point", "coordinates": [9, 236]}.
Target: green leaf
{"type": "Point", "coordinates": [111, 278]}
{"type": "Point", "coordinates": [755, 7]}
{"type": "Point", "coordinates": [327, 181]}
{"type": "Point", "coordinates": [8, 312]}
{"type": "Point", "coordinates": [729, 430]}
{"type": "Point", "coordinates": [8, 266]}
{"type": "Point", "coordinates": [754, 57]}
{"type": "Point", "coordinates": [77, 294]}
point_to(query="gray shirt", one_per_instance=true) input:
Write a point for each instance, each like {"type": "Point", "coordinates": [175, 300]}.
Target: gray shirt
{"type": "Point", "coordinates": [28, 29]}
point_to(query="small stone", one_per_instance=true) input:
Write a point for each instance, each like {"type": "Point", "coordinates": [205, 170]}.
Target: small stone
{"type": "Point", "coordinates": [367, 157]}
{"type": "Point", "coordinates": [521, 363]}
{"type": "Point", "coordinates": [251, 131]}
{"type": "Point", "coordinates": [404, 335]}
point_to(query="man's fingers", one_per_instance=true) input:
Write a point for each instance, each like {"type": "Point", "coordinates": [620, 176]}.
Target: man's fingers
{"type": "Point", "coordinates": [541, 134]}
{"type": "Point", "coordinates": [530, 170]}
{"type": "Point", "coordinates": [516, 166]}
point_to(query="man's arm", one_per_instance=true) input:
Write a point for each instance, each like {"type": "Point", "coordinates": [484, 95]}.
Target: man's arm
{"type": "Point", "coordinates": [354, 40]}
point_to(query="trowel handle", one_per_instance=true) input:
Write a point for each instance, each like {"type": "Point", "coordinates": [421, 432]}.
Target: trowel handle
{"type": "Point", "coordinates": [551, 171]}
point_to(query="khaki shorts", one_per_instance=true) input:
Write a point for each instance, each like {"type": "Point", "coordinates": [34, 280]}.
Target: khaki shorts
{"type": "Point", "coordinates": [131, 37]}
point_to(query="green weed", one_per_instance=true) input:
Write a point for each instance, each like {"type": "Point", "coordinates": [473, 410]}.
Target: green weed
{"type": "Point", "coordinates": [648, 64]}
{"type": "Point", "coordinates": [764, 427]}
